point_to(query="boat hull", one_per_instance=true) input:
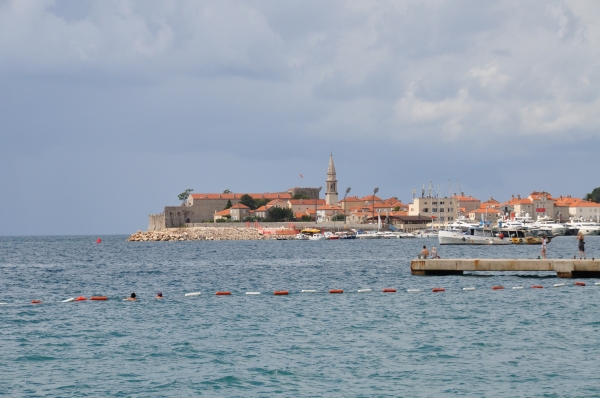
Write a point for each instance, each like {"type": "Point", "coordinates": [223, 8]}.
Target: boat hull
{"type": "Point", "coordinates": [454, 238]}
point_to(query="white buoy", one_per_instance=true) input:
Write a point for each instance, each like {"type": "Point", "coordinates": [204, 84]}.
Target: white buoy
{"type": "Point", "coordinates": [559, 284]}
{"type": "Point", "coordinates": [192, 294]}
{"type": "Point", "coordinates": [518, 288]}
{"type": "Point", "coordinates": [252, 293]}
{"type": "Point", "coordinates": [365, 290]}
{"type": "Point", "coordinates": [68, 300]}
{"type": "Point", "coordinates": [3, 303]}
{"type": "Point", "coordinates": [309, 291]}
{"type": "Point", "coordinates": [413, 290]}
{"type": "Point", "coordinates": [468, 288]}
{"type": "Point", "coordinates": [597, 283]}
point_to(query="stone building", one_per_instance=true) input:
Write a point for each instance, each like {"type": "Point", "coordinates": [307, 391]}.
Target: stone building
{"type": "Point", "coordinates": [331, 194]}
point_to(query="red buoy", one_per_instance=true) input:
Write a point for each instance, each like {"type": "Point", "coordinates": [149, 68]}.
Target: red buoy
{"type": "Point", "coordinates": [336, 291]}
{"type": "Point", "coordinates": [36, 301]}
{"type": "Point", "coordinates": [80, 298]}
{"type": "Point", "coordinates": [438, 289]}
{"type": "Point", "coordinates": [98, 240]}
{"type": "Point", "coordinates": [223, 293]}
{"type": "Point", "coordinates": [580, 283]}
{"type": "Point", "coordinates": [497, 287]}
{"type": "Point", "coordinates": [537, 287]}
{"type": "Point", "coordinates": [389, 290]}
{"type": "Point", "coordinates": [281, 293]}
{"type": "Point", "coordinates": [99, 298]}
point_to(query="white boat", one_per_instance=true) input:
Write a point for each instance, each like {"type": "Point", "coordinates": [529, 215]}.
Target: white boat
{"type": "Point", "coordinates": [473, 236]}
{"type": "Point", "coordinates": [331, 236]}
{"type": "Point", "coordinates": [301, 236]}
{"type": "Point", "coordinates": [318, 236]}
{"type": "Point", "coordinates": [586, 228]}
{"type": "Point", "coordinates": [462, 223]}
{"type": "Point", "coordinates": [368, 235]}
{"type": "Point", "coordinates": [546, 224]}
{"type": "Point", "coordinates": [427, 233]}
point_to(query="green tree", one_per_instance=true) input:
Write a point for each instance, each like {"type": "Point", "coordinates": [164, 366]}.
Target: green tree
{"type": "Point", "coordinates": [247, 200]}
{"type": "Point", "coordinates": [227, 191]}
{"type": "Point", "coordinates": [184, 195]}
{"type": "Point", "coordinates": [306, 217]}
{"type": "Point", "coordinates": [261, 202]}
{"type": "Point", "coordinates": [397, 208]}
{"type": "Point", "coordinates": [594, 196]}
{"type": "Point", "coordinates": [228, 205]}
{"type": "Point", "coordinates": [338, 217]}
{"type": "Point", "coordinates": [301, 196]}
{"type": "Point", "coordinates": [275, 214]}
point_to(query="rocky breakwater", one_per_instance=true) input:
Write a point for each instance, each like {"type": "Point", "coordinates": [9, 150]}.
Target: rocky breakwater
{"type": "Point", "coordinates": [183, 234]}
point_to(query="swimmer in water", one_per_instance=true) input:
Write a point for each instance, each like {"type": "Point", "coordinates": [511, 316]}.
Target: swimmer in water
{"type": "Point", "coordinates": [159, 295]}
{"type": "Point", "coordinates": [133, 297]}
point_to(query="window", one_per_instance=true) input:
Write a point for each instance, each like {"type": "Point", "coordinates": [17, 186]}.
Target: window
{"type": "Point", "coordinates": [425, 210]}
{"type": "Point", "coordinates": [434, 203]}
{"type": "Point", "coordinates": [441, 203]}
{"type": "Point", "coordinates": [442, 210]}
{"type": "Point", "coordinates": [434, 210]}
{"type": "Point", "coordinates": [441, 218]}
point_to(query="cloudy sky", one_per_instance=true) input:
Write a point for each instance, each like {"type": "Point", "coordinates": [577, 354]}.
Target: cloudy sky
{"type": "Point", "coordinates": [110, 109]}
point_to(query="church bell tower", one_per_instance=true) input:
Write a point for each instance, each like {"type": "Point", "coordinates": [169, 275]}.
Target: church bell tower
{"type": "Point", "coordinates": [331, 195]}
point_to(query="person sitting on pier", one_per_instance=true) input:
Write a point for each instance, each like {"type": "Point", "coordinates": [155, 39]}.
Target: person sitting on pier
{"type": "Point", "coordinates": [434, 253]}
{"type": "Point", "coordinates": [424, 252]}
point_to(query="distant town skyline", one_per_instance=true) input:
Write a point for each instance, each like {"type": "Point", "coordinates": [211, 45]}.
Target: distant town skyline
{"type": "Point", "coordinates": [111, 109]}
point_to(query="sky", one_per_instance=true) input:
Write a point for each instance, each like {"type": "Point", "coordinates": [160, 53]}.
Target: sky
{"type": "Point", "coordinates": [110, 109]}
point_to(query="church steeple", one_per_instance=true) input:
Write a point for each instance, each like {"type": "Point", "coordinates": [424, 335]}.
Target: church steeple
{"type": "Point", "coordinates": [331, 195]}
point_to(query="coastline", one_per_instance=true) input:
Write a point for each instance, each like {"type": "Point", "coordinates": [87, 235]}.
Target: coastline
{"type": "Point", "coordinates": [197, 233]}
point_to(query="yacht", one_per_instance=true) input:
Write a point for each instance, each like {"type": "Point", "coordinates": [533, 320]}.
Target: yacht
{"type": "Point", "coordinates": [473, 236]}
{"type": "Point", "coordinates": [368, 235]}
{"type": "Point", "coordinates": [586, 228]}
{"type": "Point", "coordinates": [550, 227]}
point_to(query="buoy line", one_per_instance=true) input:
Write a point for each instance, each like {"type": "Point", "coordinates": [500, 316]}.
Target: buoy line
{"type": "Point", "coordinates": [331, 291]}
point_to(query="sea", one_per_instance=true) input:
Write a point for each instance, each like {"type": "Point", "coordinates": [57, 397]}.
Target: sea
{"type": "Point", "coordinates": [482, 343]}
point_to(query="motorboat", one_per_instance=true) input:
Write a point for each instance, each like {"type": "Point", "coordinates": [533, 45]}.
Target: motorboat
{"type": "Point", "coordinates": [473, 236]}
{"type": "Point", "coordinates": [318, 236]}
{"type": "Point", "coordinates": [462, 223]}
{"type": "Point", "coordinates": [427, 233]}
{"type": "Point", "coordinates": [331, 236]}
{"type": "Point", "coordinates": [550, 227]}
{"type": "Point", "coordinates": [522, 236]}
{"type": "Point", "coordinates": [301, 236]}
{"type": "Point", "coordinates": [585, 228]}
{"type": "Point", "coordinates": [346, 235]}
{"type": "Point", "coordinates": [368, 235]}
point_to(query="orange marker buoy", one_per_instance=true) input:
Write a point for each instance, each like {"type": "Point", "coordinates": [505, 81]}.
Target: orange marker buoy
{"type": "Point", "coordinates": [580, 283]}
{"type": "Point", "coordinates": [80, 298]}
{"type": "Point", "coordinates": [389, 290]}
{"type": "Point", "coordinates": [36, 301]}
{"type": "Point", "coordinates": [497, 287]}
{"type": "Point", "coordinates": [438, 289]}
{"type": "Point", "coordinates": [98, 240]}
{"type": "Point", "coordinates": [281, 293]}
{"type": "Point", "coordinates": [336, 291]}
{"type": "Point", "coordinates": [223, 293]}
{"type": "Point", "coordinates": [537, 287]}
{"type": "Point", "coordinates": [99, 298]}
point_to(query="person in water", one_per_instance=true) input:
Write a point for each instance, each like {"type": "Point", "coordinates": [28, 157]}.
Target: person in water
{"type": "Point", "coordinates": [133, 297]}
{"type": "Point", "coordinates": [425, 252]}
{"type": "Point", "coordinates": [581, 246]}
{"type": "Point", "coordinates": [159, 295]}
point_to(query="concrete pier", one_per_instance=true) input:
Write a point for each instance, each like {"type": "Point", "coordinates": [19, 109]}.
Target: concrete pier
{"type": "Point", "coordinates": [456, 266]}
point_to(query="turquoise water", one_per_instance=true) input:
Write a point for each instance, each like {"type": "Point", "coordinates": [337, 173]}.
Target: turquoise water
{"type": "Point", "coordinates": [531, 342]}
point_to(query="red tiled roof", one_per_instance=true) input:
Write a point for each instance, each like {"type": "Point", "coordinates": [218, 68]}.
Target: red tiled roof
{"type": "Point", "coordinates": [466, 198]}
{"type": "Point", "coordinates": [306, 201]}
{"type": "Point", "coordinates": [239, 206]}
{"type": "Point", "coordinates": [370, 198]}
{"type": "Point", "coordinates": [222, 213]}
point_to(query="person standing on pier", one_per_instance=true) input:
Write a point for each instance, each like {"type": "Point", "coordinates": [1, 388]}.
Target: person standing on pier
{"type": "Point", "coordinates": [581, 245]}
{"type": "Point", "coordinates": [544, 242]}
